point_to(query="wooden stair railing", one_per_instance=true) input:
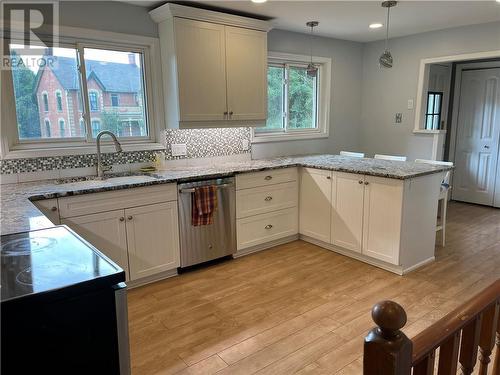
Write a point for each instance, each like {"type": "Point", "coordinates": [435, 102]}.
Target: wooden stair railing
{"type": "Point", "coordinates": [471, 329]}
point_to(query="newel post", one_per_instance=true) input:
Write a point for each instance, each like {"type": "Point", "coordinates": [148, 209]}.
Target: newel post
{"type": "Point", "coordinates": [387, 350]}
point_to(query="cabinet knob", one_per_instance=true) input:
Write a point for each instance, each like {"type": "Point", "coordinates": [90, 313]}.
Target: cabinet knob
{"type": "Point", "coordinates": [268, 199]}
{"type": "Point", "coordinates": [367, 183]}
{"type": "Point", "coordinates": [122, 219]}
{"type": "Point", "coordinates": [129, 217]}
{"type": "Point", "coordinates": [268, 226]}
{"type": "Point", "coordinates": [328, 177]}
{"type": "Point", "coordinates": [360, 182]}
{"type": "Point", "coordinates": [225, 113]}
{"type": "Point", "coordinates": [267, 178]}
{"type": "Point", "coordinates": [54, 209]}
{"type": "Point", "coordinates": [231, 113]}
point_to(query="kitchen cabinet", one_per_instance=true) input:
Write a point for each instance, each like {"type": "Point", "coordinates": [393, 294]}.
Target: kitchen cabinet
{"type": "Point", "coordinates": [106, 231]}
{"type": "Point", "coordinates": [49, 208]}
{"type": "Point", "coordinates": [315, 203]}
{"type": "Point", "coordinates": [153, 238]}
{"type": "Point", "coordinates": [347, 211]}
{"type": "Point", "coordinates": [383, 199]}
{"type": "Point", "coordinates": [214, 67]}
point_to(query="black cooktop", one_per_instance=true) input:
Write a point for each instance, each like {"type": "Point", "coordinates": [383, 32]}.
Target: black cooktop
{"type": "Point", "coordinates": [50, 259]}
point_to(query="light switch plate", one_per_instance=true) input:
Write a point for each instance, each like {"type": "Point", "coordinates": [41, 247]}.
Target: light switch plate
{"type": "Point", "coordinates": [245, 145]}
{"type": "Point", "coordinates": [179, 149]}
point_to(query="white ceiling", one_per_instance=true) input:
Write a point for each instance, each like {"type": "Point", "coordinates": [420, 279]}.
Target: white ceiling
{"type": "Point", "coordinates": [350, 19]}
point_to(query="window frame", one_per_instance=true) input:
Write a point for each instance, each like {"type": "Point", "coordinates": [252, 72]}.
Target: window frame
{"type": "Point", "coordinates": [11, 147]}
{"type": "Point", "coordinates": [117, 96]}
{"type": "Point", "coordinates": [62, 129]}
{"type": "Point", "coordinates": [97, 100]}
{"type": "Point", "coordinates": [58, 94]}
{"type": "Point", "coordinates": [440, 94]}
{"type": "Point", "coordinates": [323, 103]}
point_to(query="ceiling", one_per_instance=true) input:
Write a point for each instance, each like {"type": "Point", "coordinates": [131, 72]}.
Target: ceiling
{"type": "Point", "coordinates": [350, 19]}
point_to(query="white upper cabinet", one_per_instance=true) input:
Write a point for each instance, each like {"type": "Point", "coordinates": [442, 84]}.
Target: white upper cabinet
{"type": "Point", "coordinates": [315, 203]}
{"type": "Point", "coordinates": [214, 67]}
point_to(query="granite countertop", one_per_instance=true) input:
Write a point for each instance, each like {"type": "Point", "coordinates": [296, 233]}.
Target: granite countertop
{"type": "Point", "coordinates": [18, 213]}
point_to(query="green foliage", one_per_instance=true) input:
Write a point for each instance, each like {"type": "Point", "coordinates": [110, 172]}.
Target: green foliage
{"type": "Point", "coordinates": [28, 121]}
{"type": "Point", "coordinates": [275, 97]}
{"type": "Point", "coordinates": [110, 121]}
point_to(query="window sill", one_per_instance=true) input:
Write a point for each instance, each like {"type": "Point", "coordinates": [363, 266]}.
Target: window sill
{"type": "Point", "coordinates": [424, 131]}
{"type": "Point", "coordinates": [292, 136]}
{"type": "Point", "coordinates": [79, 150]}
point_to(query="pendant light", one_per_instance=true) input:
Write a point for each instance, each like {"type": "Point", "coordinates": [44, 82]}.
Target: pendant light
{"type": "Point", "coordinates": [312, 70]}
{"type": "Point", "coordinates": [385, 60]}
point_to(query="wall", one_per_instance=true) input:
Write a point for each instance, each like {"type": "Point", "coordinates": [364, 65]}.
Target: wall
{"type": "Point", "coordinates": [345, 96]}
{"type": "Point", "coordinates": [386, 92]}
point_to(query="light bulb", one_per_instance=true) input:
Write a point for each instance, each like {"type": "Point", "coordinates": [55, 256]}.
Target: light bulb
{"type": "Point", "coordinates": [376, 25]}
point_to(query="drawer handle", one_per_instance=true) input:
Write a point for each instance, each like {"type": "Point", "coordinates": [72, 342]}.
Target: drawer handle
{"type": "Point", "coordinates": [122, 219]}
{"type": "Point", "coordinates": [267, 178]}
{"type": "Point", "coordinates": [129, 217]}
{"type": "Point", "coordinates": [367, 183]}
{"type": "Point", "coordinates": [268, 199]}
{"type": "Point", "coordinates": [268, 226]}
{"type": "Point", "coordinates": [360, 182]}
{"type": "Point", "coordinates": [54, 209]}
{"type": "Point", "coordinates": [328, 177]}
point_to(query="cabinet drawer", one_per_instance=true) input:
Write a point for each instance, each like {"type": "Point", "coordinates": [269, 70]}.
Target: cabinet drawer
{"type": "Point", "coordinates": [114, 200]}
{"type": "Point", "coordinates": [264, 199]}
{"type": "Point", "coordinates": [259, 229]}
{"type": "Point", "coordinates": [265, 178]}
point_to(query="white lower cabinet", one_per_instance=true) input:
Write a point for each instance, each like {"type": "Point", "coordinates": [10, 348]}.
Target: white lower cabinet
{"type": "Point", "coordinates": [315, 203]}
{"type": "Point", "coordinates": [49, 208]}
{"type": "Point", "coordinates": [106, 231]}
{"type": "Point", "coordinates": [347, 212]}
{"type": "Point", "coordinates": [153, 239]}
{"type": "Point", "coordinates": [383, 201]}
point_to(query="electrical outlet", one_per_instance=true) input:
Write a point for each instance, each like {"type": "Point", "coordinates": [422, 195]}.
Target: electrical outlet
{"type": "Point", "coordinates": [245, 145]}
{"type": "Point", "coordinates": [410, 103]}
{"type": "Point", "coordinates": [179, 149]}
{"type": "Point", "coordinates": [399, 118]}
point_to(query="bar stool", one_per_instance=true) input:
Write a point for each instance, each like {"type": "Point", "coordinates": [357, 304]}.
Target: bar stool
{"type": "Point", "coordinates": [443, 195]}
{"type": "Point", "coordinates": [352, 154]}
{"type": "Point", "coordinates": [390, 157]}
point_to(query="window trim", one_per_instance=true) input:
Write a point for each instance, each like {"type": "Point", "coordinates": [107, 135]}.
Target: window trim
{"type": "Point", "coordinates": [56, 93]}
{"type": "Point", "coordinates": [45, 95]}
{"type": "Point", "coordinates": [324, 90]}
{"type": "Point", "coordinates": [117, 96]}
{"type": "Point", "coordinates": [59, 121]}
{"type": "Point", "coordinates": [97, 100]}
{"type": "Point", "coordinates": [12, 148]}
{"type": "Point", "coordinates": [439, 114]}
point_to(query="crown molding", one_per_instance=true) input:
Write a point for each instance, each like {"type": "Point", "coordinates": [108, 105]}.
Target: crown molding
{"type": "Point", "coordinates": [171, 10]}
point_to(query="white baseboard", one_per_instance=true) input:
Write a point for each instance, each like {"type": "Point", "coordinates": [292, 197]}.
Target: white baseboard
{"type": "Point", "coordinates": [418, 265]}
{"type": "Point", "coordinates": [267, 245]}
{"type": "Point", "coordinates": [131, 284]}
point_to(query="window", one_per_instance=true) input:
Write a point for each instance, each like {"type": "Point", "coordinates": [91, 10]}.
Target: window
{"type": "Point", "coordinates": [118, 74]}
{"type": "Point", "coordinates": [297, 103]}
{"type": "Point", "coordinates": [47, 129]}
{"type": "Point", "coordinates": [433, 112]}
{"type": "Point", "coordinates": [62, 129]}
{"type": "Point", "coordinates": [59, 101]}
{"type": "Point", "coordinates": [115, 100]}
{"type": "Point", "coordinates": [96, 126]}
{"type": "Point", "coordinates": [94, 101]}
{"type": "Point", "coordinates": [45, 98]}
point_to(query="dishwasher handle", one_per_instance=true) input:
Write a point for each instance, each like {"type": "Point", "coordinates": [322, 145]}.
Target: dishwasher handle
{"type": "Point", "coordinates": [192, 190]}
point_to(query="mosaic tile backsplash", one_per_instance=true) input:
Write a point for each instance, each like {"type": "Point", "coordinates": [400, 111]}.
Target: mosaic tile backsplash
{"type": "Point", "coordinates": [200, 143]}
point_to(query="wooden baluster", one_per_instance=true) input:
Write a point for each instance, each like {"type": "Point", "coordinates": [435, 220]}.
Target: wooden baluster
{"type": "Point", "coordinates": [470, 343]}
{"type": "Point", "coordinates": [426, 365]}
{"type": "Point", "coordinates": [448, 355]}
{"type": "Point", "coordinates": [387, 350]}
{"type": "Point", "coordinates": [487, 339]}
{"type": "Point", "coordinates": [496, 364]}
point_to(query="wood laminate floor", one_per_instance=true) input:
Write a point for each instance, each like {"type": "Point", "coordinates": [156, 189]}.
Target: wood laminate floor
{"type": "Point", "coordinates": [298, 308]}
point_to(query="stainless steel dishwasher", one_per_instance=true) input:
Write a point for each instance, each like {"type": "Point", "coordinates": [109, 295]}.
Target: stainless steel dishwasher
{"type": "Point", "coordinates": [207, 242]}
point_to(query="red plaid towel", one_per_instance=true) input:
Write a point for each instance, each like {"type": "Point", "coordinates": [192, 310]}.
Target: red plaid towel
{"type": "Point", "coordinates": [203, 205]}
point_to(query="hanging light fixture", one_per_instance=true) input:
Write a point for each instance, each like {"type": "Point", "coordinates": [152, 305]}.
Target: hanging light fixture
{"type": "Point", "coordinates": [312, 70]}
{"type": "Point", "coordinates": [385, 60]}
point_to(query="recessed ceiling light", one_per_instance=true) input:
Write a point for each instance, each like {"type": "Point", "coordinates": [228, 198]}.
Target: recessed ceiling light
{"type": "Point", "coordinates": [259, 1]}
{"type": "Point", "coordinates": [377, 25]}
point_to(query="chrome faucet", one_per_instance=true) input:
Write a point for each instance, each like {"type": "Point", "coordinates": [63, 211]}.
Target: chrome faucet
{"type": "Point", "coordinates": [102, 168]}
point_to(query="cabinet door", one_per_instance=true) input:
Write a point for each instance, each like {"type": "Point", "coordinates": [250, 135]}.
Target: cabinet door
{"type": "Point", "coordinates": [347, 213]}
{"type": "Point", "coordinates": [201, 70]}
{"type": "Point", "coordinates": [153, 239]}
{"type": "Point", "coordinates": [382, 218]}
{"type": "Point", "coordinates": [106, 231]}
{"type": "Point", "coordinates": [49, 208]}
{"type": "Point", "coordinates": [315, 205]}
{"type": "Point", "coordinates": [246, 65]}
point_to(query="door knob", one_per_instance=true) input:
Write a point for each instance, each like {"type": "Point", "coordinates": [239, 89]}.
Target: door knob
{"type": "Point", "coordinates": [486, 146]}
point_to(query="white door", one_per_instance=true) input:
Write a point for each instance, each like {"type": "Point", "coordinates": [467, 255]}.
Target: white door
{"type": "Point", "coordinates": [201, 70]}
{"type": "Point", "coordinates": [246, 66]}
{"type": "Point", "coordinates": [315, 205]}
{"type": "Point", "coordinates": [106, 231]}
{"type": "Point", "coordinates": [383, 199]}
{"type": "Point", "coordinates": [478, 134]}
{"type": "Point", "coordinates": [153, 239]}
{"type": "Point", "coordinates": [347, 213]}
